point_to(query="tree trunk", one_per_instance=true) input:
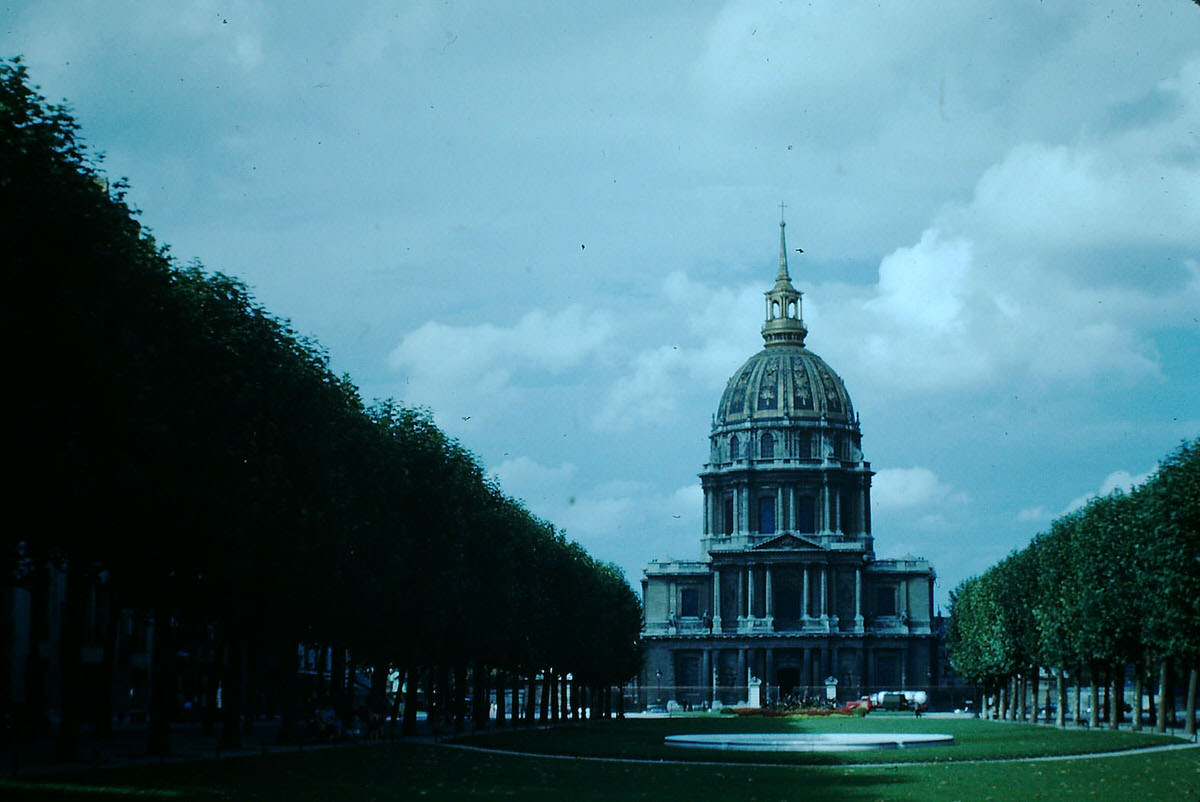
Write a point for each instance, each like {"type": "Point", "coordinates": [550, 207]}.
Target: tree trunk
{"type": "Point", "coordinates": [481, 710]}
{"type": "Point", "coordinates": [1094, 711]}
{"type": "Point", "coordinates": [351, 693]}
{"type": "Point", "coordinates": [252, 691]}
{"type": "Point", "coordinates": [531, 699]}
{"type": "Point", "coordinates": [1116, 696]}
{"type": "Point", "coordinates": [162, 684]}
{"type": "Point", "coordinates": [554, 694]}
{"type": "Point", "coordinates": [460, 696]}
{"type": "Point", "coordinates": [1139, 690]}
{"type": "Point", "coordinates": [1164, 680]}
{"type": "Point", "coordinates": [289, 691]}
{"type": "Point", "coordinates": [212, 685]}
{"type": "Point", "coordinates": [412, 680]}
{"type": "Point", "coordinates": [621, 702]}
{"type": "Point", "coordinates": [1076, 712]}
{"type": "Point", "coordinates": [1190, 725]}
{"type": "Point", "coordinates": [377, 698]}
{"type": "Point", "coordinates": [547, 692]}
{"type": "Point", "coordinates": [70, 664]}
{"type": "Point", "coordinates": [231, 694]}
{"type": "Point", "coordinates": [1060, 712]}
{"type": "Point", "coordinates": [337, 680]}
{"type": "Point", "coordinates": [102, 726]}
{"type": "Point", "coordinates": [1036, 688]}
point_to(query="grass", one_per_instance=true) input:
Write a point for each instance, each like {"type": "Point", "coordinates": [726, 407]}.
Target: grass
{"type": "Point", "coordinates": [404, 771]}
{"type": "Point", "coordinates": [974, 739]}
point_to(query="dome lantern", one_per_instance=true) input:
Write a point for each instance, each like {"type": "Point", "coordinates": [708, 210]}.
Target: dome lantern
{"type": "Point", "coordinates": [784, 323]}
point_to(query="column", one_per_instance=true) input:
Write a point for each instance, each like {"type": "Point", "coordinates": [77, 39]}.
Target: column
{"type": "Point", "coordinates": [742, 680]}
{"type": "Point", "coordinates": [824, 594]}
{"type": "Point", "coordinates": [804, 594]}
{"type": "Point", "coordinates": [858, 616]}
{"type": "Point", "coordinates": [744, 509]}
{"type": "Point", "coordinates": [826, 526]}
{"type": "Point", "coordinates": [904, 602]}
{"type": "Point", "coordinates": [792, 509]}
{"type": "Point", "coordinates": [716, 612]}
{"type": "Point", "coordinates": [707, 512]}
{"type": "Point", "coordinates": [780, 523]}
{"type": "Point", "coordinates": [862, 509]}
{"type": "Point", "coordinates": [769, 601]}
{"type": "Point", "coordinates": [750, 591]}
{"type": "Point", "coordinates": [705, 677]}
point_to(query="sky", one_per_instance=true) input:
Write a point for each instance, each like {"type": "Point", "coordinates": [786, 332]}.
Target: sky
{"type": "Point", "coordinates": [552, 225]}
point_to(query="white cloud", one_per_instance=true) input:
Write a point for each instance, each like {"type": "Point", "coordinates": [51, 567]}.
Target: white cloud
{"type": "Point", "coordinates": [1038, 514]}
{"type": "Point", "coordinates": [471, 370]}
{"type": "Point", "coordinates": [524, 478]}
{"type": "Point", "coordinates": [907, 488]}
{"type": "Point", "coordinates": [712, 327]}
{"type": "Point", "coordinates": [1117, 480]}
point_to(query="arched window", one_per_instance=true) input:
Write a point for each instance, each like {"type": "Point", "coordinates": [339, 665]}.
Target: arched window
{"type": "Point", "coordinates": [767, 448]}
{"type": "Point", "coordinates": [734, 448]}
{"type": "Point", "coordinates": [774, 309]}
{"type": "Point", "coordinates": [791, 309]}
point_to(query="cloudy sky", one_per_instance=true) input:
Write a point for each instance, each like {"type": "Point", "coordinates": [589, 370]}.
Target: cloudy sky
{"type": "Point", "coordinates": [552, 224]}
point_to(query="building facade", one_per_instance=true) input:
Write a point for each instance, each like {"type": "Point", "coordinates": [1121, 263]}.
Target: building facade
{"type": "Point", "coordinates": [788, 595]}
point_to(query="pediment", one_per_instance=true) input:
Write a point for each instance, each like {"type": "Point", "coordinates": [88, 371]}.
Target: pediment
{"type": "Point", "coordinates": [787, 542]}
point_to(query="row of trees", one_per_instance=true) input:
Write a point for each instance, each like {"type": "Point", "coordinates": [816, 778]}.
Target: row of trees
{"type": "Point", "coordinates": [196, 460]}
{"type": "Point", "coordinates": [1109, 592]}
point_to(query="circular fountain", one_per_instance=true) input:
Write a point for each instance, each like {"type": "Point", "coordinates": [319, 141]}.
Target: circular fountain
{"type": "Point", "coordinates": [809, 741]}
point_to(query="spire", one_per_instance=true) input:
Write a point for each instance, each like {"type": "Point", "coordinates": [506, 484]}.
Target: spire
{"type": "Point", "coordinates": [784, 324]}
{"type": "Point", "coordinates": [783, 270]}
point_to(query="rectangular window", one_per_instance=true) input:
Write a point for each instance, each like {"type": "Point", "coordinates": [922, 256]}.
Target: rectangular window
{"type": "Point", "coordinates": [727, 514]}
{"type": "Point", "coordinates": [766, 515]}
{"type": "Point", "coordinates": [689, 602]}
{"type": "Point", "coordinates": [806, 514]}
{"type": "Point", "coordinates": [885, 600]}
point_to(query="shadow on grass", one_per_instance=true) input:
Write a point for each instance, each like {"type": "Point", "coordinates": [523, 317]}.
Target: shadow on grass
{"type": "Point", "coordinates": [407, 771]}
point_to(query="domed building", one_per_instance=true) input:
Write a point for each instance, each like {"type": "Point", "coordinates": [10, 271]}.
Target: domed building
{"type": "Point", "coordinates": [788, 595]}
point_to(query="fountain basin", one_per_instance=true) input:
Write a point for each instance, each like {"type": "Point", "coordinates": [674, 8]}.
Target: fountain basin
{"type": "Point", "coordinates": [809, 741]}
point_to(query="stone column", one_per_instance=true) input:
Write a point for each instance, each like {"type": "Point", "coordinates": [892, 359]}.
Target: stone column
{"type": "Point", "coordinates": [858, 616]}
{"type": "Point", "coordinates": [862, 509]}
{"type": "Point", "coordinates": [825, 594]}
{"type": "Point", "coordinates": [792, 527]}
{"type": "Point", "coordinates": [826, 525]}
{"type": "Point", "coordinates": [780, 523]}
{"type": "Point", "coordinates": [804, 593]}
{"type": "Point", "coordinates": [743, 679]}
{"type": "Point", "coordinates": [716, 611]}
{"type": "Point", "coordinates": [708, 512]}
{"type": "Point", "coordinates": [705, 677]}
{"type": "Point", "coordinates": [769, 601]}
{"type": "Point", "coordinates": [745, 517]}
{"type": "Point", "coordinates": [750, 591]}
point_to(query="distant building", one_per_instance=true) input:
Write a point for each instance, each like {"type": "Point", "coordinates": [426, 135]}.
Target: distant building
{"type": "Point", "coordinates": [788, 592]}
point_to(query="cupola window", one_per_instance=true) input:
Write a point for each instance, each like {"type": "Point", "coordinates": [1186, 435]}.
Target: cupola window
{"type": "Point", "coordinates": [767, 448]}
{"type": "Point", "coordinates": [734, 448]}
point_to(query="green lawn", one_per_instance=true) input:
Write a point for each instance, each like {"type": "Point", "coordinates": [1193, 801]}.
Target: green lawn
{"type": "Point", "coordinates": [420, 771]}
{"type": "Point", "coordinates": [974, 739]}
